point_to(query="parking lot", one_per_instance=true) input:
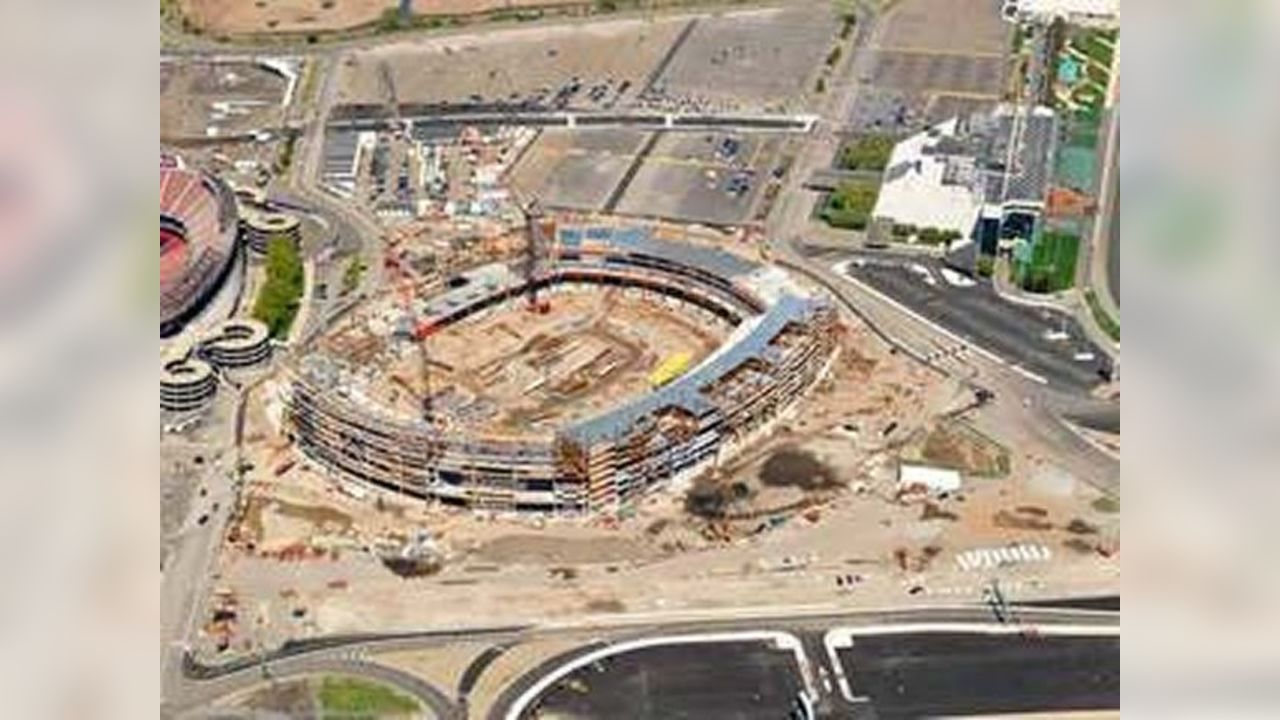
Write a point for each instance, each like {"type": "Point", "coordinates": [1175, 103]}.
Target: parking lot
{"type": "Point", "coordinates": [1042, 341]}
{"type": "Point", "coordinates": [593, 66]}
{"type": "Point", "coordinates": [578, 170]}
{"type": "Point", "coordinates": [707, 681]}
{"type": "Point", "coordinates": [704, 177]}
{"type": "Point", "coordinates": [760, 60]}
{"type": "Point", "coordinates": [932, 60]}
{"type": "Point", "coordinates": [939, 674]}
{"type": "Point", "coordinates": [711, 178]}
{"type": "Point", "coordinates": [932, 73]}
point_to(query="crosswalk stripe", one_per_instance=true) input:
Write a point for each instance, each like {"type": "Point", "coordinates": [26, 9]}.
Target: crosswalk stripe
{"type": "Point", "coordinates": [980, 558]}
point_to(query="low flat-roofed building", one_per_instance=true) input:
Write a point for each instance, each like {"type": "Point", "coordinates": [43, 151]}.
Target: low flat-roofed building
{"type": "Point", "coordinates": [926, 478]}
{"type": "Point", "coordinates": [953, 173]}
{"type": "Point", "coordinates": [1079, 12]}
{"type": "Point", "coordinates": [928, 189]}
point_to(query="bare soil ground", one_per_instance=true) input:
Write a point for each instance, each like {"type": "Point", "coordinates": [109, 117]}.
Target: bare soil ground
{"type": "Point", "coordinates": [190, 92]}
{"type": "Point", "coordinates": [848, 435]}
{"type": "Point", "coordinates": [258, 16]}
{"type": "Point", "coordinates": [514, 372]}
{"type": "Point", "coordinates": [957, 445]}
{"type": "Point", "coordinates": [263, 16]}
{"type": "Point", "coordinates": [541, 550]}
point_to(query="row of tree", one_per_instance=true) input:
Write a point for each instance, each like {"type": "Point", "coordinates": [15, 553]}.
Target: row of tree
{"type": "Point", "coordinates": [281, 293]}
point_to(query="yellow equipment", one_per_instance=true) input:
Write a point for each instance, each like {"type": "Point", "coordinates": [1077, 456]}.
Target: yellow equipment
{"type": "Point", "coordinates": [669, 369]}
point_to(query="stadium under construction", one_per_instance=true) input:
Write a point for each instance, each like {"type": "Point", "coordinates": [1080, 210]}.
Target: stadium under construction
{"type": "Point", "coordinates": [773, 341]}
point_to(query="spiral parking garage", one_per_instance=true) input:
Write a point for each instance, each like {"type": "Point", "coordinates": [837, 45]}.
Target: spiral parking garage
{"type": "Point", "coordinates": [189, 380]}
{"type": "Point", "coordinates": [781, 343]}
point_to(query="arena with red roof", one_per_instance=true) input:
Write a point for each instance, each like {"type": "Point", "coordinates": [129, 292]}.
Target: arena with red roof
{"type": "Point", "coordinates": [197, 242]}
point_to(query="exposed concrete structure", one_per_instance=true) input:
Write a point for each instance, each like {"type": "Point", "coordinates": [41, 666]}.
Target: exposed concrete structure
{"type": "Point", "coordinates": [782, 343]}
{"type": "Point", "coordinates": [358, 117]}
{"type": "Point", "coordinates": [1099, 13]}
{"type": "Point", "coordinates": [237, 343]}
{"type": "Point", "coordinates": [187, 384]}
{"type": "Point", "coordinates": [260, 227]}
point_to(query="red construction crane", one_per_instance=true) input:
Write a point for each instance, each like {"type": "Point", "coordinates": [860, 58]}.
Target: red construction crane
{"type": "Point", "coordinates": [537, 226]}
{"type": "Point", "coordinates": [419, 331]}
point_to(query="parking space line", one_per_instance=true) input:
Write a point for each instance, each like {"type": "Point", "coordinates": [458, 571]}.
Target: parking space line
{"type": "Point", "coordinates": [832, 640]}
{"type": "Point", "coordinates": [938, 52]}
{"type": "Point", "coordinates": [962, 94]}
{"type": "Point", "coordinates": [846, 636]}
{"type": "Point", "coordinates": [1029, 375]}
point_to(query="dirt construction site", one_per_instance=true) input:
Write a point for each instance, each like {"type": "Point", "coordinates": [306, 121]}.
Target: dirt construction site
{"type": "Point", "coordinates": [207, 99]}
{"type": "Point", "coordinates": [515, 373]}
{"type": "Point", "coordinates": [814, 514]}
{"type": "Point", "coordinates": [265, 16]}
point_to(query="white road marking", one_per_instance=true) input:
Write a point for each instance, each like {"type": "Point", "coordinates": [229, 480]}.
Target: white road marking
{"type": "Point", "coordinates": [847, 635]}
{"type": "Point", "coordinates": [1029, 375]}
{"type": "Point", "coordinates": [841, 269]}
{"type": "Point", "coordinates": [981, 558]}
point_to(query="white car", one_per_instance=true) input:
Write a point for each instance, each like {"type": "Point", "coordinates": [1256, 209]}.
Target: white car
{"type": "Point", "coordinates": [956, 279]}
{"type": "Point", "coordinates": [924, 273]}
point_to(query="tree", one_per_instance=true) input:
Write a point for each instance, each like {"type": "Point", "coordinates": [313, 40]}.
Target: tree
{"type": "Point", "coordinates": [279, 297]}
{"type": "Point", "coordinates": [868, 152]}
{"type": "Point", "coordinates": [851, 204]}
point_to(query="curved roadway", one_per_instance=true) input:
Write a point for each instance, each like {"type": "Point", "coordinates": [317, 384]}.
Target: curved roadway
{"type": "Point", "coordinates": [356, 656]}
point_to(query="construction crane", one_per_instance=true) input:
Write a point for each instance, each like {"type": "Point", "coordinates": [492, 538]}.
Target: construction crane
{"type": "Point", "coordinates": [424, 377]}
{"type": "Point", "coordinates": [393, 103]}
{"type": "Point", "coordinates": [538, 228]}
{"type": "Point", "coordinates": [418, 331]}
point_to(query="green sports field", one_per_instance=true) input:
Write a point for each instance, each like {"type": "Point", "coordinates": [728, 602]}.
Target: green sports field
{"type": "Point", "coordinates": [1052, 264]}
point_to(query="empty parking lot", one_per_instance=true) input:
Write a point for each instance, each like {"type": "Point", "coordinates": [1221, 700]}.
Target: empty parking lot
{"type": "Point", "coordinates": [931, 60]}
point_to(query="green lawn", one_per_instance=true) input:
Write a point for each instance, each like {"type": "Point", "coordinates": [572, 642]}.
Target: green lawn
{"type": "Point", "coordinates": [351, 276]}
{"type": "Point", "coordinates": [869, 152]}
{"type": "Point", "coordinates": [849, 207]}
{"type": "Point", "coordinates": [1088, 96]}
{"type": "Point", "coordinates": [1098, 75]}
{"type": "Point", "coordinates": [1052, 266]}
{"type": "Point", "coordinates": [349, 698]}
{"type": "Point", "coordinates": [1094, 44]}
{"type": "Point", "coordinates": [278, 298]}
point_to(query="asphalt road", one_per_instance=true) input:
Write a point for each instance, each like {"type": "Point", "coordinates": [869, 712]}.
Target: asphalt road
{"type": "Point", "coordinates": [1025, 412]}
{"type": "Point", "coordinates": [684, 681]}
{"type": "Point", "coordinates": [908, 676]}
{"type": "Point", "coordinates": [435, 703]}
{"type": "Point", "coordinates": [1015, 332]}
{"type": "Point", "coordinates": [189, 695]}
